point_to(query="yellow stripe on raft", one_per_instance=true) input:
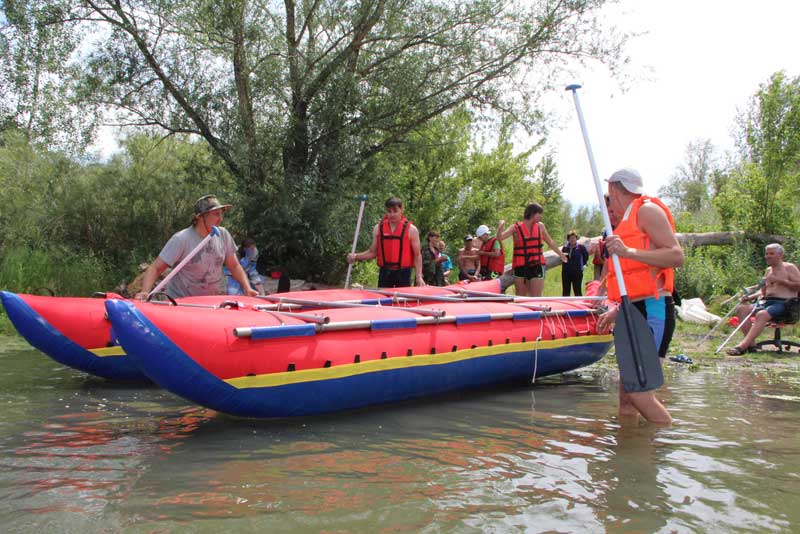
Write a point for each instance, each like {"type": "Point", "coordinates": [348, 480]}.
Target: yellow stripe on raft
{"type": "Point", "coordinates": [108, 351]}
{"type": "Point", "coordinates": [370, 366]}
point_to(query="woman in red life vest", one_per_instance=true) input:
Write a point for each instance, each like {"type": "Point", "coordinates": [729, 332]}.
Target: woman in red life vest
{"type": "Point", "coordinates": [493, 257]}
{"type": "Point", "coordinates": [395, 244]}
{"type": "Point", "coordinates": [648, 250]}
{"type": "Point", "coordinates": [529, 261]}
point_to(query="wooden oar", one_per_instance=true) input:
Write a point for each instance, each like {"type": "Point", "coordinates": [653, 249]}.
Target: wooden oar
{"type": "Point", "coordinates": [637, 354]}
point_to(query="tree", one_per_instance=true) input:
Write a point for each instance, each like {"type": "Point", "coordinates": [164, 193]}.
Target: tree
{"type": "Point", "coordinates": [550, 195]}
{"type": "Point", "coordinates": [297, 99]}
{"type": "Point", "coordinates": [689, 187]}
{"type": "Point", "coordinates": [769, 178]}
{"type": "Point", "coordinates": [35, 48]}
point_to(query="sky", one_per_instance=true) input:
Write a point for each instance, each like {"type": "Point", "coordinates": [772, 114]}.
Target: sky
{"type": "Point", "coordinates": [693, 69]}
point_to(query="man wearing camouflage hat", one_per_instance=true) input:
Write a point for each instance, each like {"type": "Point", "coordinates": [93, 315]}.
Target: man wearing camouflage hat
{"type": "Point", "coordinates": [203, 274]}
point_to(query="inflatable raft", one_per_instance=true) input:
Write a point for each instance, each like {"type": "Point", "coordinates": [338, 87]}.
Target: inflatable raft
{"type": "Point", "coordinates": [76, 332]}
{"type": "Point", "coordinates": [255, 364]}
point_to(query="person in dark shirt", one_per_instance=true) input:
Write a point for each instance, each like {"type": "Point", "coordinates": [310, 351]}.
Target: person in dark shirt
{"type": "Point", "coordinates": [572, 270]}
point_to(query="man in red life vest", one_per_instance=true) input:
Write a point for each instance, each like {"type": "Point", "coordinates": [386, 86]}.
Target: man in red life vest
{"type": "Point", "coordinates": [648, 251]}
{"type": "Point", "coordinates": [529, 261]}
{"type": "Point", "coordinates": [492, 255]}
{"type": "Point", "coordinates": [395, 244]}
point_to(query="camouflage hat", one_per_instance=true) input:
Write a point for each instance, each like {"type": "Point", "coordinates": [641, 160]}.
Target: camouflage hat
{"type": "Point", "coordinates": [209, 203]}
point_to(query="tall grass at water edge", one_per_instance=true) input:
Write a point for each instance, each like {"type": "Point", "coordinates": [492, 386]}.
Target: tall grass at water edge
{"type": "Point", "coordinates": [56, 271]}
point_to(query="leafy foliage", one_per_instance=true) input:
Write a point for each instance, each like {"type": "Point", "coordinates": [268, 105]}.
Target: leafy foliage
{"type": "Point", "coordinates": [298, 99]}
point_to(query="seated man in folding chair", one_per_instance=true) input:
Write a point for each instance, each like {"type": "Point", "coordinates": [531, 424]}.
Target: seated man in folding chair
{"type": "Point", "coordinates": [782, 283]}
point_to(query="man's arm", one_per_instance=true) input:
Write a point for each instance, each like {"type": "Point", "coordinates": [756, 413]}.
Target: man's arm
{"type": "Point", "coordinates": [667, 252]}
{"type": "Point", "coordinates": [238, 274]}
{"type": "Point", "coordinates": [794, 277]}
{"type": "Point", "coordinates": [150, 276]}
{"type": "Point", "coordinates": [413, 236]}
{"type": "Point", "coordinates": [502, 234]}
{"type": "Point", "coordinates": [553, 245]}
{"type": "Point", "coordinates": [371, 252]}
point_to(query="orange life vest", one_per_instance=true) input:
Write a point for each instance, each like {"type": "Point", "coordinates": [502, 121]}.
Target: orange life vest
{"type": "Point", "coordinates": [527, 246]}
{"type": "Point", "coordinates": [641, 280]}
{"type": "Point", "coordinates": [394, 248]}
{"type": "Point", "coordinates": [493, 264]}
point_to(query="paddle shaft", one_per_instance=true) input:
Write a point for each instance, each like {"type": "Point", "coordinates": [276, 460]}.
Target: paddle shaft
{"type": "Point", "coordinates": [355, 239]}
{"type": "Point", "coordinates": [214, 231]}
{"type": "Point", "coordinates": [626, 307]}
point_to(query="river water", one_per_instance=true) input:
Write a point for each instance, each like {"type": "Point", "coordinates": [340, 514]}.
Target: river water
{"type": "Point", "coordinates": [83, 455]}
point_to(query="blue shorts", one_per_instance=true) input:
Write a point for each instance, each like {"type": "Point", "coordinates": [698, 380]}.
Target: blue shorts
{"type": "Point", "coordinates": [655, 311]}
{"type": "Point", "coordinates": [776, 308]}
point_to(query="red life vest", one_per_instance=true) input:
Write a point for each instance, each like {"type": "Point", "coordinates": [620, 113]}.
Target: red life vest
{"type": "Point", "coordinates": [527, 246]}
{"type": "Point", "coordinates": [394, 248]}
{"type": "Point", "coordinates": [493, 264]}
{"type": "Point", "coordinates": [641, 280]}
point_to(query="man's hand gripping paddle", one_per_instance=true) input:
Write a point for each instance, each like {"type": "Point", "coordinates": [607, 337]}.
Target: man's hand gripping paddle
{"type": "Point", "coordinates": [637, 354]}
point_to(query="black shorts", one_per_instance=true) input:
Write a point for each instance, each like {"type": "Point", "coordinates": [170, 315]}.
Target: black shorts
{"type": "Point", "coordinates": [465, 276]}
{"type": "Point", "coordinates": [529, 271]}
{"type": "Point", "coordinates": [394, 277]}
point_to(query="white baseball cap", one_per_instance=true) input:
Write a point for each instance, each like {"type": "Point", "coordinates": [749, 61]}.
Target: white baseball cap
{"type": "Point", "coordinates": [482, 229]}
{"type": "Point", "coordinates": [630, 180]}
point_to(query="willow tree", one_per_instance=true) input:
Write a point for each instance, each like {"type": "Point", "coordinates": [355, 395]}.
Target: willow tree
{"type": "Point", "coordinates": [297, 98]}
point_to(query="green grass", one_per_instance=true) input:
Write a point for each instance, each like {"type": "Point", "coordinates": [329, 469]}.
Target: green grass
{"type": "Point", "coordinates": [53, 272]}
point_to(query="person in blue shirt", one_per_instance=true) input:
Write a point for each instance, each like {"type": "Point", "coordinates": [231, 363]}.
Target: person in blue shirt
{"type": "Point", "coordinates": [447, 265]}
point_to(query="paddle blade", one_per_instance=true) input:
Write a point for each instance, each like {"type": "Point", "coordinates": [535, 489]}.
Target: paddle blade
{"type": "Point", "coordinates": [637, 354]}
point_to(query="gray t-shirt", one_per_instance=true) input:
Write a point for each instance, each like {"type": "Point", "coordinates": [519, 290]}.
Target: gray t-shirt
{"type": "Point", "coordinates": [203, 274]}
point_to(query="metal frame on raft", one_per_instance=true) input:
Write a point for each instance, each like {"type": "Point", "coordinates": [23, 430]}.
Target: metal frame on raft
{"type": "Point", "coordinates": [274, 332]}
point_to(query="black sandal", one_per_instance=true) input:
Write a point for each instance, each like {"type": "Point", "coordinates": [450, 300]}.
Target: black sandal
{"type": "Point", "coordinates": [735, 351]}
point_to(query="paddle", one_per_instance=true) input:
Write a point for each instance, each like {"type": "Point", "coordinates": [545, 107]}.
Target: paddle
{"type": "Point", "coordinates": [637, 354]}
{"type": "Point", "coordinates": [363, 199]}
{"type": "Point", "coordinates": [214, 231]}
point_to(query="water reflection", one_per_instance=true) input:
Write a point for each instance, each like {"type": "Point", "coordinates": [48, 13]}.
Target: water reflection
{"type": "Point", "coordinates": [81, 454]}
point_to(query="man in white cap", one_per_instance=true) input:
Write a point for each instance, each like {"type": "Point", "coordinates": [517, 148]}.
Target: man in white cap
{"type": "Point", "coordinates": [203, 274]}
{"type": "Point", "coordinates": [491, 251]}
{"type": "Point", "coordinates": [648, 251]}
